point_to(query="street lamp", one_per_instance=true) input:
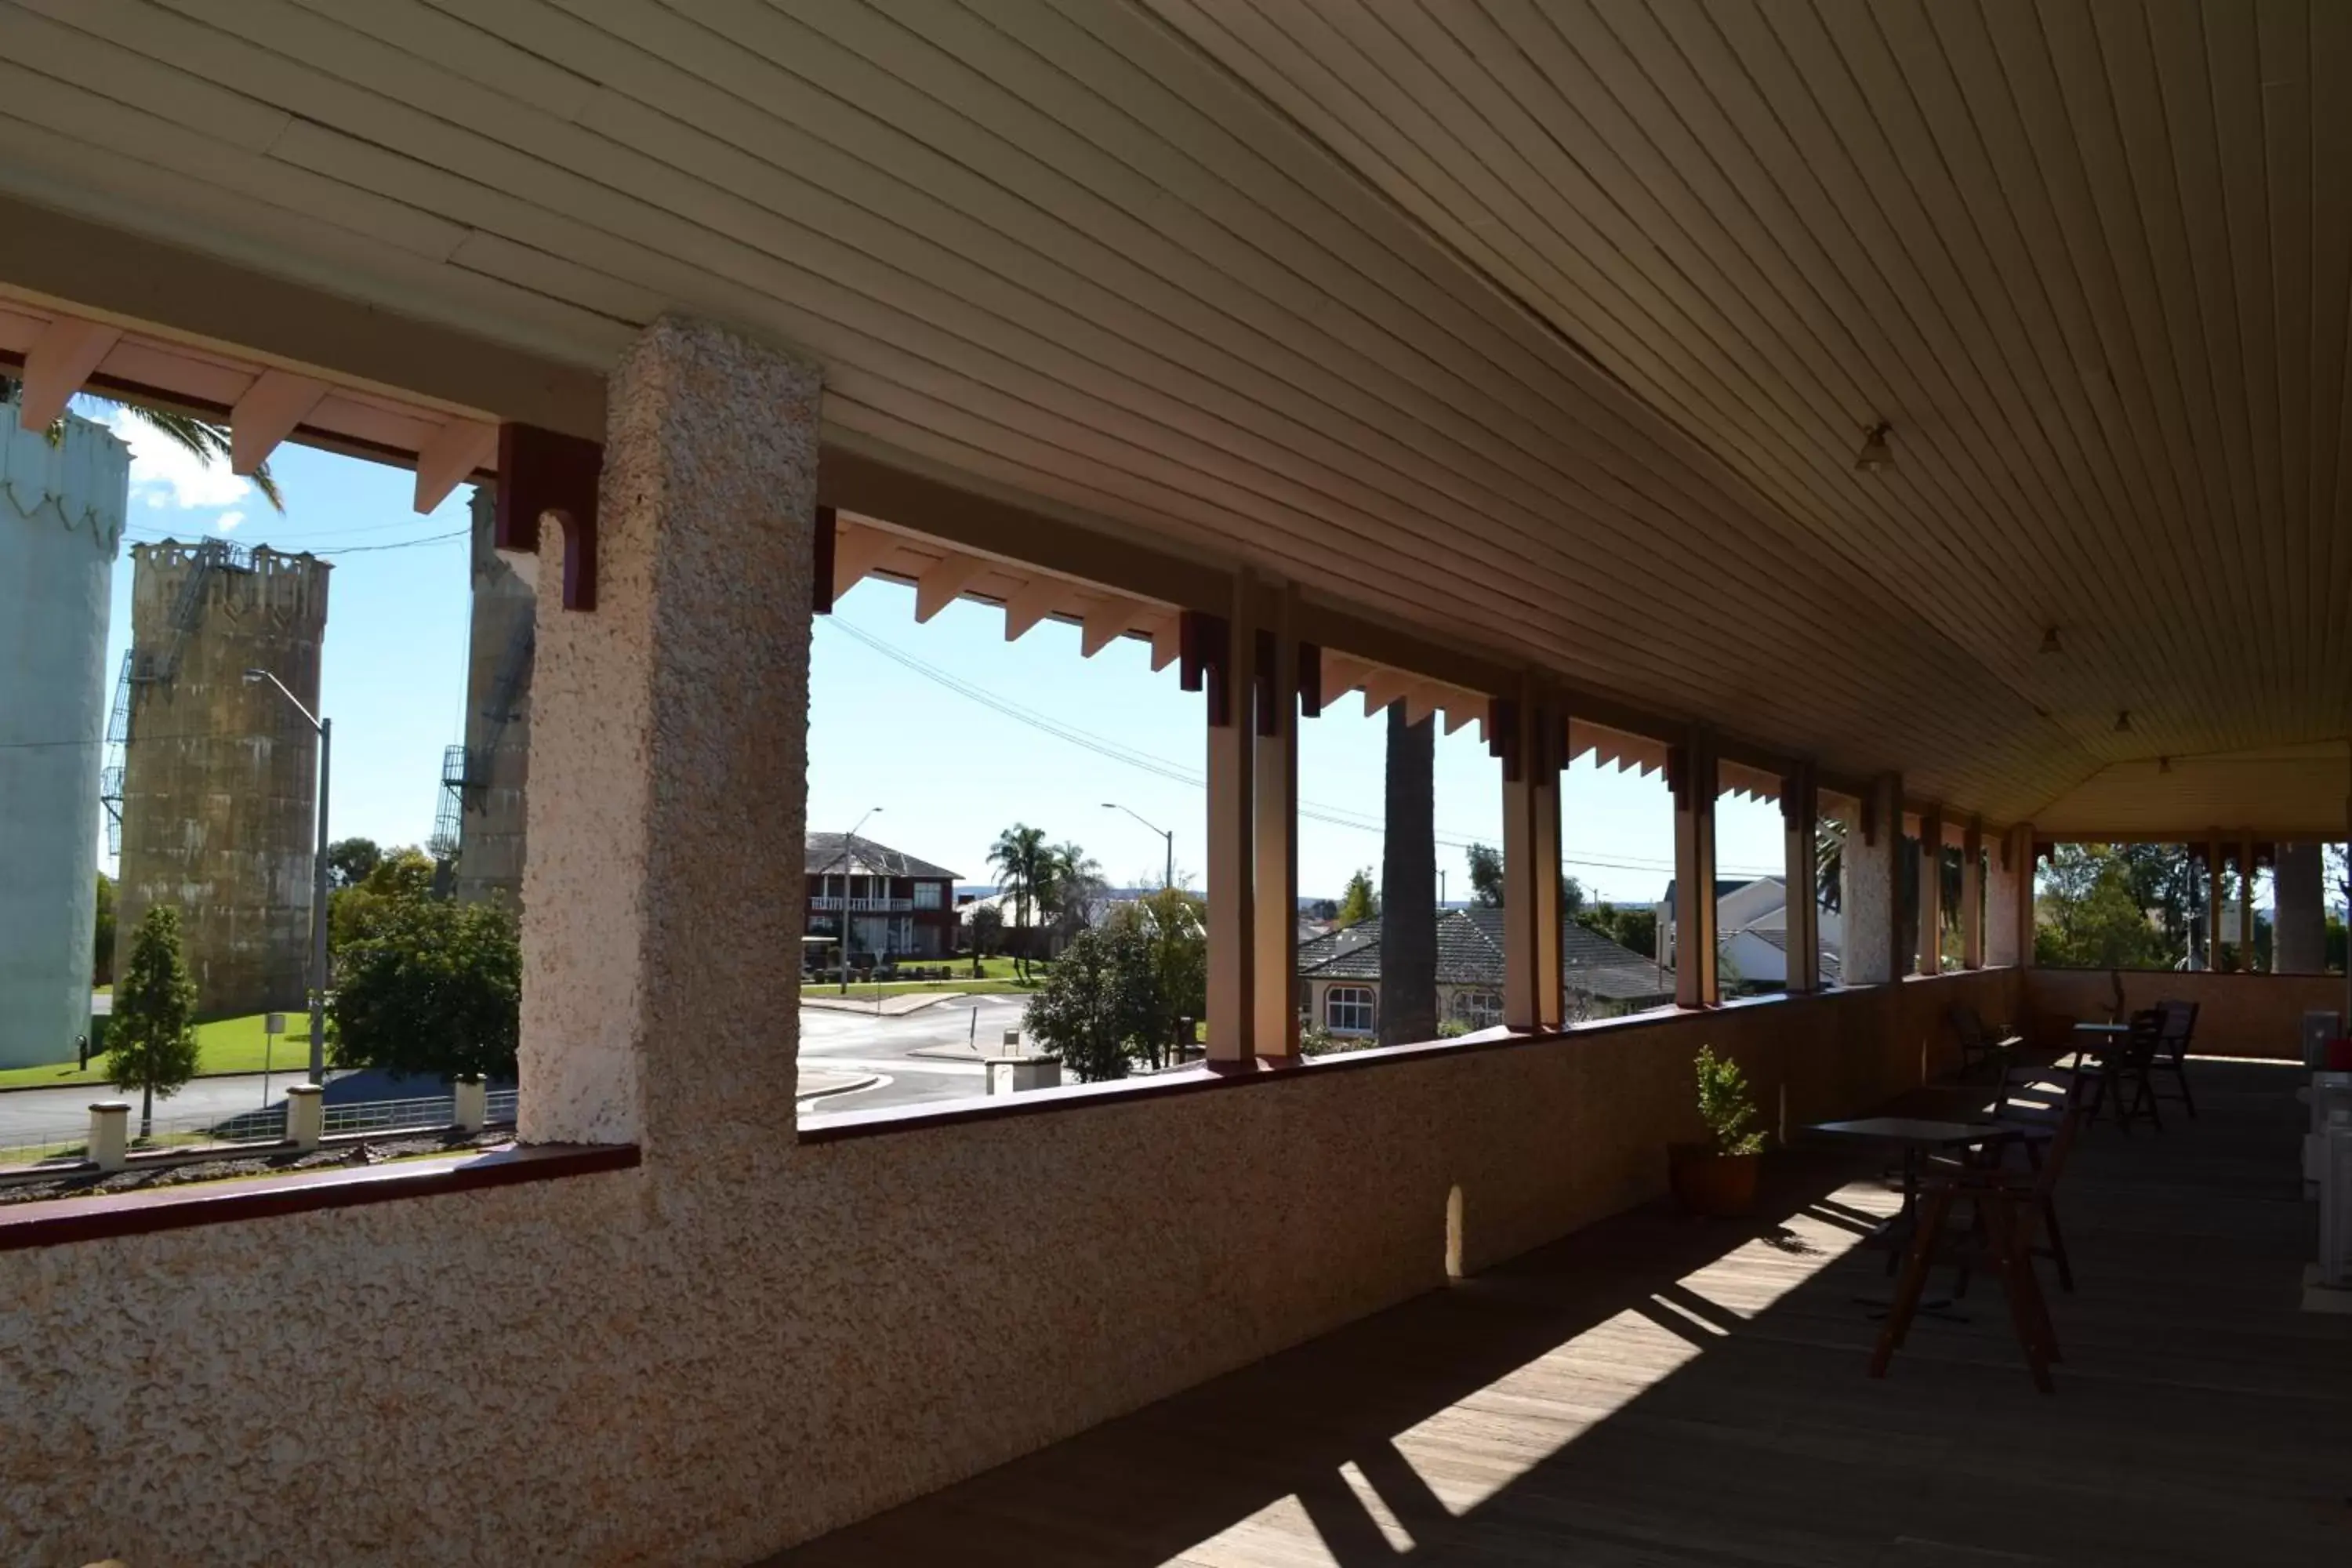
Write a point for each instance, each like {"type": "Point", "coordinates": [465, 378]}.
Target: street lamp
{"type": "Point", "coordinates": [847, 839]}
{"type": "Point", "coordinates": [326, 729]}
{"type": "Point", "coordinates": [1167, 880]}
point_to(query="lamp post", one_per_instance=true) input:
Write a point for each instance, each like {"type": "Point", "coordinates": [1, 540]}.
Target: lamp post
{"type": "Point", "coordinates": [1167, 880]}
{"type": "Point", "coordinates": [326, 731]}
{"type": "Point", "coordinates": [847, 839]}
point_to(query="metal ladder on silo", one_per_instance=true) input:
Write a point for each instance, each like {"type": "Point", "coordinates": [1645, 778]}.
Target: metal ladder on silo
{"type": "Point", "coordinates": [155, 667]}
{"type": "Point", "coordinates": [465, 773]}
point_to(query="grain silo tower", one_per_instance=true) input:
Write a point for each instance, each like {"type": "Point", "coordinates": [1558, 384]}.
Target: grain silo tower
{"type": "Point", "coordinates": [61, 524]}
{"type": "Point", "coordinates": [478, 832]}
{"type": "Point", "coordinates": [220, 775]}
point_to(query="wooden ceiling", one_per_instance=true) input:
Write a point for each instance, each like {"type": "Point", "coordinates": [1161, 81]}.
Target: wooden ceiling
{"type": "Point", "coordinates": [1549, 329]}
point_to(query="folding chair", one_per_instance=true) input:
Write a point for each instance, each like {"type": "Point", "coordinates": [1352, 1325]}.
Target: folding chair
{"type": "Point", "coordinates": [2172, 1051]}
{"type": "Point", "coordinates": [1982, 1043]}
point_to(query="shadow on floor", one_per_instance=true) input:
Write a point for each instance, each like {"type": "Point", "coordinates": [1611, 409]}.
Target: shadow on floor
{"type": "Point", "coordinates": [1659, 1391]}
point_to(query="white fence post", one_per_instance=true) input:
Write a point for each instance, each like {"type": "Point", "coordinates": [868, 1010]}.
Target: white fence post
{"type": "Point", "coordinates": [471, 1099]}
{"type": "Point", "coordinates": [306, 1115]}
{"type": "Point", "coordinates": [109, 1134]}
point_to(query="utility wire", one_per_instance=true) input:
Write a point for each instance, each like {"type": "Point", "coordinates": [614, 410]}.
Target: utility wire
{"type": "Point", "coordinates": [1177, 772]}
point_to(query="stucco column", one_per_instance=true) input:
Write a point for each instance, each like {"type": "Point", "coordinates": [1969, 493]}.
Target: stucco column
{"type": "Point", "coordinates": [1801, 878]}
{"type": "Point", "coordinates": [1873, 878]}
{"type": "Point", "coordinates": [669, 730]}
{"type": "Point", "coordinates": [1691, 773]}
{"type": "Point", "coordinates": [1274, 868]}
{"type": "Point", "coordinates": [2298, 910]}
{"type": "Point", "coordinates": [2010, 881]}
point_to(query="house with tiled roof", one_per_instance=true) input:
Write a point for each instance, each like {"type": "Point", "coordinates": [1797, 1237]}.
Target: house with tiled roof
{"type": "Point", "coordinates": [879, 899]}
{"type": "Point", "coordinates": [1339, 975]}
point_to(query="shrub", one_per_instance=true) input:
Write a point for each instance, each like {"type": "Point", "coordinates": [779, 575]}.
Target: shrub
{"type": "Point", "coordinates": [436, 987]}
{"type": "Point", "coordinates": [1725, 1106]}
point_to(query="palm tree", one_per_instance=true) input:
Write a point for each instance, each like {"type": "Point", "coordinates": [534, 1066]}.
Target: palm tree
{"type": "Point", "coordinates": [1025, 870]}
{"type": "Point", "coordinates": [200, 436]}
{"type": "Point", "coordinates": [1074, 882]}
{"type": "Point", "coordinates": [1409, 885]}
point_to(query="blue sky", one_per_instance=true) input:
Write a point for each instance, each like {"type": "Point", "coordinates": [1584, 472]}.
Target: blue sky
{"type": "Point", "coordinates": [948, 772]}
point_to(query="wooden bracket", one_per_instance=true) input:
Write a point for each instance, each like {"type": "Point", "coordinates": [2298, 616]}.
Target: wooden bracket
{"type": "Point", "coordinates": [822, 539]}
{"type": "Point", "coordinates": [1311, 680]}
{"type": "Point", "coordinates": [1503, 736]}
{"type": "Point", "coordinates": [543, 473]}
{"type": "Point", "coordinates": [1203, 662]}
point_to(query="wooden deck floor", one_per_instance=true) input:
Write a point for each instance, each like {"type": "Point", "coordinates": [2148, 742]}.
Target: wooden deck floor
{"type": "Point", "coordinates": [1656, 1392]}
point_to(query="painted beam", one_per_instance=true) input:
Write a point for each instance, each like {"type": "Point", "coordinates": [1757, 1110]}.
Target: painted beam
{"type": "Point", "coordinates": [1030, 604]}
{"type": "Point", "coordinates": [277, 401]}
{"type": "Point", "coordinates": [1105, 620]}
{"type": "Point", "coordinates": [855, 553]}
{"type": "Point", "coordinates": [59, 360]}
{"type": "Point", "coordinates": [456, 450]}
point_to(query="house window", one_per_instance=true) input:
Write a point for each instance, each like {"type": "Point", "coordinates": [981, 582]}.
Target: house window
{"type": "Point", "coordinates": [928, 895]}
{"type": "Point", "coordinates": [1479, 1009]}
{"type": "Point", "coordinates": [1348, 1009]}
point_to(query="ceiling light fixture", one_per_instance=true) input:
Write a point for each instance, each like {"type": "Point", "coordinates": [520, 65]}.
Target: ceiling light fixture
{"type": "Point", "coordinates": [2050, 643]}
{"type": "Point", "coordinates": [2123, 721]}
{"type": "Point", "coordinates": [1876, 453]}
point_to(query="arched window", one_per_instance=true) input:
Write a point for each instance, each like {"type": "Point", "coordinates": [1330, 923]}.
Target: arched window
{"type": "Point", "coordinates": [1478, 1009]}
{"type": "Point", "coordinates": [1348, 1009]}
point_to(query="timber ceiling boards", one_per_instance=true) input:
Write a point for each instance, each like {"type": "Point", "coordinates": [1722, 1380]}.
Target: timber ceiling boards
{"type": "Point", "coordinates": [1557, 326]}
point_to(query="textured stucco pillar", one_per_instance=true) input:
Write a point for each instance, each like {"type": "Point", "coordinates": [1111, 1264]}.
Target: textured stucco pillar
{"type": "Point", "coordinates": [1928, 957]}
{"type": "Point", "coordinates": [306, 1115]}
{"type": "Point", "coordinates": [2009, 880]}
{"type": "Point", "coordinates": [669, 734]}
{"type": "Point", "coordinates": [109, 1134]}
{"type": "Point", "coordinates": [1873, 881]}
{"type": "Point", "coordinates": [1973, 878]}
{"type": "Point", "coordinates": [2299, 910]}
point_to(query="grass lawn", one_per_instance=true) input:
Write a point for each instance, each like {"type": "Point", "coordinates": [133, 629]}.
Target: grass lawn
{"type": "Point", "coordinates": [865, 992]}
{"type": "Point", "coordinates": [224, 1045]}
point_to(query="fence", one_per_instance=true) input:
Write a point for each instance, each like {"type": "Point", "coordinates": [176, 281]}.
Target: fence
{"type": "Point", "coordinates": [63, 1144]}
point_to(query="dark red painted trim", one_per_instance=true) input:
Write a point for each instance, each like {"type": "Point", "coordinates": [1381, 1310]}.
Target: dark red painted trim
{"type": "Point", "coordinates": [821, 541]}
{"type": "Point", "coordinates": [54, 1222]}
{"type": "Point", "coordinates": [543, 472]}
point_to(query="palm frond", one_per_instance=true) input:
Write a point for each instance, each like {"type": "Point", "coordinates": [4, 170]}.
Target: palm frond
{"type": "Point", "coordinates": [200, 437]}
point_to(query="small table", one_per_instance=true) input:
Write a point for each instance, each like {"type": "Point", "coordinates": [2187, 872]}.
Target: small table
{"type": "Point", "coordinates": [2097, 1041]}
{"type": "Point", "coordinates": [1917, 1137]}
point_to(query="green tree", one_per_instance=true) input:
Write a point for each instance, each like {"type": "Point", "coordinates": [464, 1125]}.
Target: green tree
{"type": "Point", "coordinates": [1174, 922]}
{"type": "Point", "coordinates": [101, 953]}
{"type": "Point", "coordinates": [349, 861]}
{"type": "Point", "coordinates": [398, 877]}
{"type": "Point", "coordinates": [1571, 897]}
{"type": "Point", "coordinates": [435, 986]}
{"type": "Point", "coordinates": [1360, 901]}
{"type": "Point", "coordinates": [1408, 1008]}
{"type": "Point", "coordinates": [1025, 870]}
{"type": "Point", "coordinates": [1073, 887]}
{"type": "Point", "coordinates": [2087, 916]}
{"type": "Point", "coordinates": [1095, 1011]}
{"type": "Point", "coordinates": [1628, 926]}
{"type": "Point", "coordinates": [150, 1042]}
{"type": "Point", "coordinates": [1485, 877]}
{"type": "Point", "coordinates": [987, 930]}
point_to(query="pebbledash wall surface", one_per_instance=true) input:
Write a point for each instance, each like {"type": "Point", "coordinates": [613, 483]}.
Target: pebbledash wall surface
{"type": "Point", "coordinates": [703, 1360]}
{"type": "Point", "coordinates": [62, 507]}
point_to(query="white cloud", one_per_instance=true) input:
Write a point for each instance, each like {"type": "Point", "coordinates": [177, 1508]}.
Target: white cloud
{"type": "Point", "coordinates": [166, 474]}
{"type": "Point", "coordinates": [228, 520]}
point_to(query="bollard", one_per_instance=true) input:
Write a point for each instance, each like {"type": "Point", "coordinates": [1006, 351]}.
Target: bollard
{"type": "Point", "coordinates": [472, 1094]}
{"type": "Point", "coordinates": [109, 1134]}
{"type": "Point", "coordinates": [306, 1115]}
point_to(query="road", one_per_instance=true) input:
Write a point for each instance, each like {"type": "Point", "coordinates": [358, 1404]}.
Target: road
{"type": "Point", "coordinates": [858, 1043]}
{"type": "Point", "coordinates": [836, 1041]}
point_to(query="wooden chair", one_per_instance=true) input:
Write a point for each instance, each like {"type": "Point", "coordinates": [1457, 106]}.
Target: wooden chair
{"type": "Point", "coordinates": [2172, 1051]}
{"type": "Point", "coordinates": [2009, 1207]}
{"type": "Point", "coordinates": [2128, 1070]}
{"type": "Point", "coordinates": [1982, 1043]}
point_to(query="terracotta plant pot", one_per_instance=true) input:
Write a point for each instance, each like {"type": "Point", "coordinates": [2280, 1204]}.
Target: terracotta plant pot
{"type": "Point", "coordinates": [1721, 1186]}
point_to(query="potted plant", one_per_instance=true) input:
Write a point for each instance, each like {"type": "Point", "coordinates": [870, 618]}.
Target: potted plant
{"type": "Point", "coordinates": [1718, 1177]}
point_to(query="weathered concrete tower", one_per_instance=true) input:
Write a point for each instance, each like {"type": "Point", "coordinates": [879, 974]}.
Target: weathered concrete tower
{"type": "Point", "coordinates": [60, 525]}
{"type": "Point", "coordinates": [497, 763]}
{"type": "Point", "coordinates": [220, 775]}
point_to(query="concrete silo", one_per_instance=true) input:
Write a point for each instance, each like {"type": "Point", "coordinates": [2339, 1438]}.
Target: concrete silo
{"type": "Point", "coordinates": [220, 775]}
{"type": "Point", "coordinates": [480, 821]}
{"type": "Point", "coordinates": [61, 524]}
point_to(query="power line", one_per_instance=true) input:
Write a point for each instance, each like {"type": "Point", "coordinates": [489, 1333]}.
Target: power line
{"type": "Point", "coordinates": [1337, 817]}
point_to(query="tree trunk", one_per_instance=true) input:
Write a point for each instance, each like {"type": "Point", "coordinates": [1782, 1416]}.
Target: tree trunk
{"type": "Point", "coordinates": [2299, 928]}
{"type": "Point", "coordinates": [146, 1114]}
{"type": "Point", "coordinates": [1409, 885]}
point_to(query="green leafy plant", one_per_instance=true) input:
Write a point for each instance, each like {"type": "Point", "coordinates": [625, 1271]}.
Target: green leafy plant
{"type": "Point", "coordinates": [1097, 1007]}
{"type": "Point", "coordinates": [1725, 1105]}
{"type": "Point", "coordinates": [432, 987]}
